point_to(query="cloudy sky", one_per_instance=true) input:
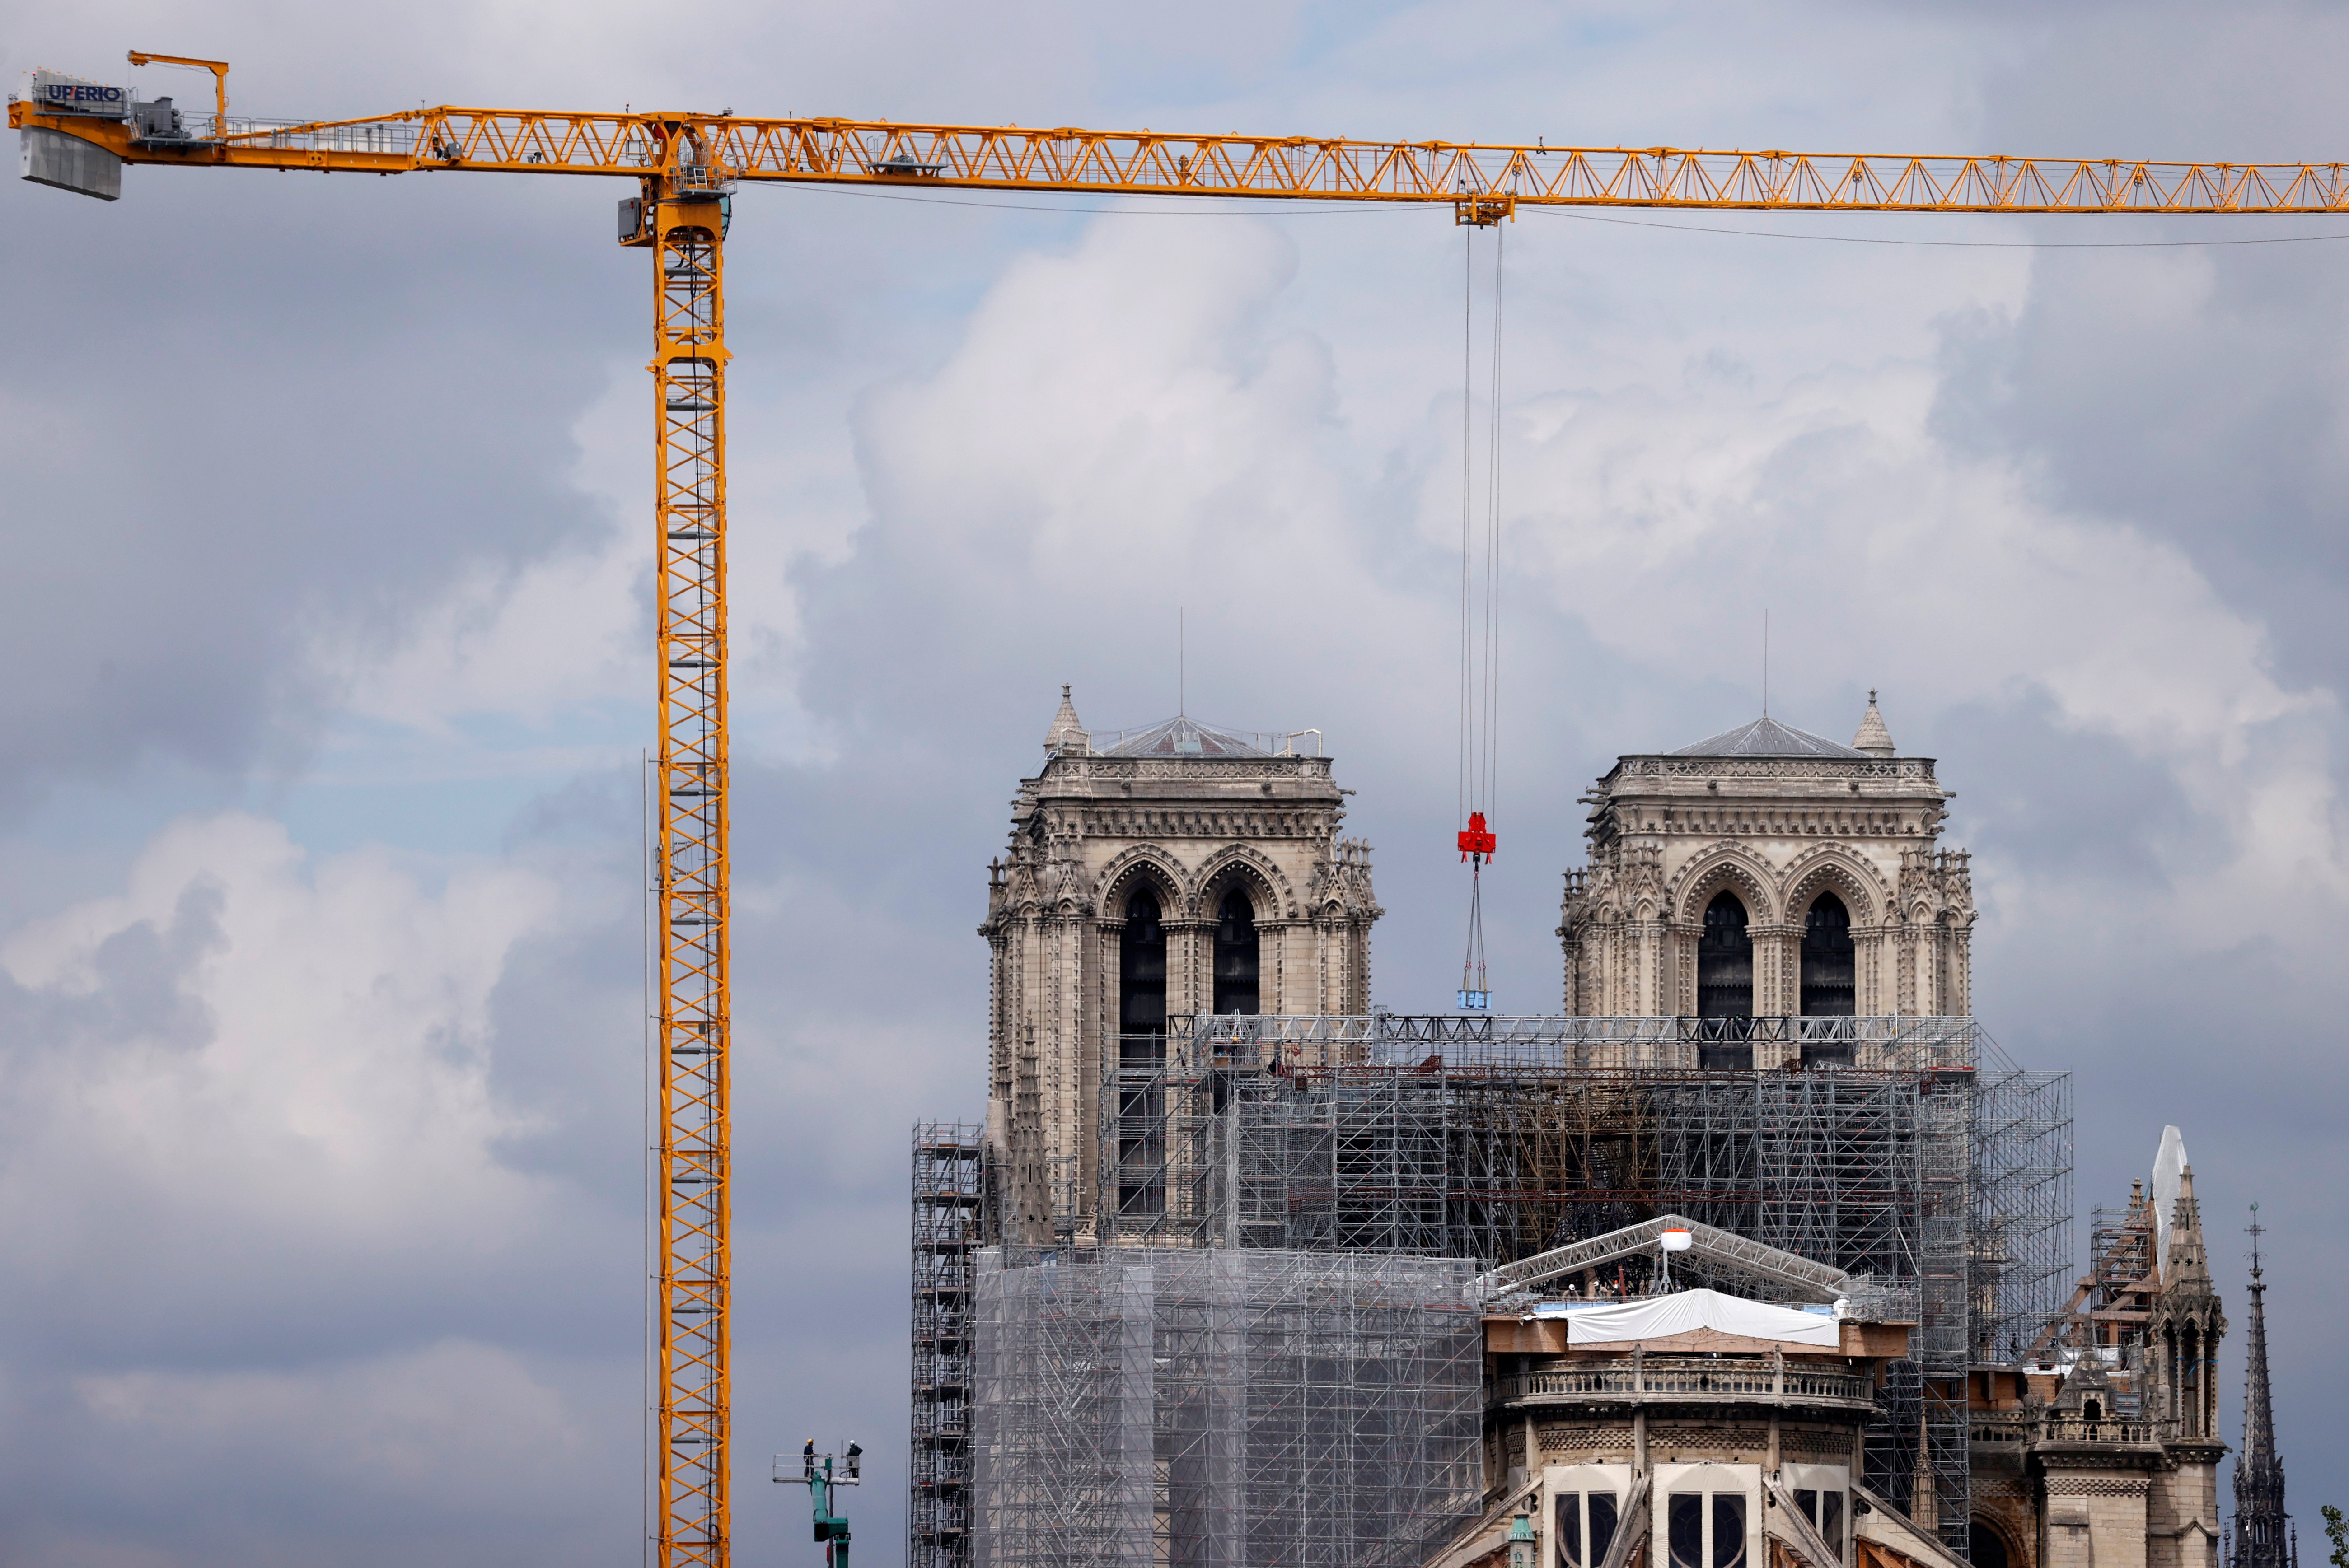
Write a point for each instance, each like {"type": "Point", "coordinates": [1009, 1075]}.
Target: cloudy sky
{"type": "Point", "coordinates": [327, 517]}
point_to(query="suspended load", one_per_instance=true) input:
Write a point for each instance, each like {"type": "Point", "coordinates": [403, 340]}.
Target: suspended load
{"type": "Point", "coordinates": [1475, 840]}
{"type": "Point", "coordinates": [1477, 843]}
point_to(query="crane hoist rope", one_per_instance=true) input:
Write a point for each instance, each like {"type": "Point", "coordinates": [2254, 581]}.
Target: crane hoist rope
{"type": "Point", "coordinates": [78, 134]}
{"type": "Point", "coordinates": [1480, 613]}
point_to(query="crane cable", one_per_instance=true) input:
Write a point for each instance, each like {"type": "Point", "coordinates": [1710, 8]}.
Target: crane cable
{"type": "Point", "coordinates": [1480, 645]}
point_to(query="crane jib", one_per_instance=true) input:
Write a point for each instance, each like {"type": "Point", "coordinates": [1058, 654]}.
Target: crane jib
{"type": "Point", "coordinates": [829, 150]}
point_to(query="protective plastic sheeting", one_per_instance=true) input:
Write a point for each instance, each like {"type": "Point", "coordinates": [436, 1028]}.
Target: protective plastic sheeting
{"type": "Point", "coordinates": [1682, 1312]}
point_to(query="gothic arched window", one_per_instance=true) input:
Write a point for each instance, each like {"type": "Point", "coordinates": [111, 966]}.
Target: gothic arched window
{"type": "Point", "coordinates": [1237, 965]}
{"type": "Point", "coordinates": [1985, 1547]}
{"type": "Point", "coordinates": [1724, 961]}
{"type": "Point", "coordinates": [1141, 1045]}
{"type": "Point", "coordinates": [1828, 963]}
{"type": "Point", "coordinates": [1141, 982]}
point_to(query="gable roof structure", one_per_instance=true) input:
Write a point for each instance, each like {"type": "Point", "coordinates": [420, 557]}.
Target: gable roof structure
{"type": "Point", "coordinates": [1181, 737]}
{"type": "Point", "coordinates": [1766, 737]}
{"type": "Point", "coordinates": [1723, 1250]}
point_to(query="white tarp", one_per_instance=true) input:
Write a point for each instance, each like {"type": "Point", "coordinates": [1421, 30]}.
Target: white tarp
{"type": "Point", "coordinates": [1658, 1317]}
{"type": "Point", "coordinates": [2168, 1165]}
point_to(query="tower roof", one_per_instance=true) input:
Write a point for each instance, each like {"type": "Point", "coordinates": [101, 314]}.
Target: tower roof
{"type": "Point", "coordinates": [1766, 737]}
{"type": "Point", "coordinates": [1873, 737]}
{"type": "Point", "coordinates": [1181, 736]}
{"type": "Point", "coordinates": [1066, 734]}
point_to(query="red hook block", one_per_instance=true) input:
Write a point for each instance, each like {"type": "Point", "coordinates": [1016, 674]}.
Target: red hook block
{"type": "Point", "coordinates": [1476, 841]}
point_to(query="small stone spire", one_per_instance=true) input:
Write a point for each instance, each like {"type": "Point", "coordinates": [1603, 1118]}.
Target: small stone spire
{"type": "Point", "coordinates": [2186, 1314]}
{"type": "Point", "coordinates": [2262, 1529]}
{"type": "Point", "coordinates": [1924, 1498]}
{"type": "Point", "coordinates": [1873, 737]}
{"type": "Point", "coordinates": [2185, 1263]}
{"type": "Point", "coordinates": [1067, 733]}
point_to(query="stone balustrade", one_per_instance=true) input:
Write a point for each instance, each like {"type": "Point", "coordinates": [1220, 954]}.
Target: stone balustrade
{"type": "Point", "coordinates": [1685, 1379]}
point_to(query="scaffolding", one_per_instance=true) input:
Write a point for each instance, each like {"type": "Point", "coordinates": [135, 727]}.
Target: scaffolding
{"type": "Point", "coordinates": [949, 1185]}
{"type": "Point", "coordinates": [2023, 1208]}
{"type": "Point", "coordinates": [1906, 1150]}
{"type": "Point", "coordinates": [1268, 1307]}
{"type": "Point", "coordinates": [1221, 1408]}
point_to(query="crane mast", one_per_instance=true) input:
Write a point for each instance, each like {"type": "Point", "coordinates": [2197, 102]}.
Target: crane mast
{"type": "Point", "coordinates": [682, 219]}
{"type": "Point", "coordinates": [78, 134]}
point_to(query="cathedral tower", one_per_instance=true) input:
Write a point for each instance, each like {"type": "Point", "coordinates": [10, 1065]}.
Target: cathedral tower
{"type": "Point", "coordinates": [1768, 872]}
{"type": "Point", "coordinates": [1163, 872]}
{"type": "Point", "coordinates": [2262, 1529]}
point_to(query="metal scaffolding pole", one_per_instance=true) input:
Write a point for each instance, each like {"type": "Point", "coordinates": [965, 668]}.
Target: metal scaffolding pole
{"type": "Point", "coordinates": [949, 1188]}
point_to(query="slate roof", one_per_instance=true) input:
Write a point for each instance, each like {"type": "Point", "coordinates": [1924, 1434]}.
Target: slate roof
{"type": "Point", "coordinates": [1768, 737]}
{"type": "Point", "coordinates": [1186, 738]}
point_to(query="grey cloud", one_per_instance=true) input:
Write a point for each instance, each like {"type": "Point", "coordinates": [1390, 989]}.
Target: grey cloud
{"type": "Point", "coordinates": [136, 999]}
{"type": "Point", "coordinates": [2198, 398]}
{"type": "Point", "coordinates": [2027, 786]}
{"type": "Point", "coordinates": [2196, 393]}
{"type": "Point", "coordinates": [372, 390]}
{"type": "Point", "coordinates": [218, 482]}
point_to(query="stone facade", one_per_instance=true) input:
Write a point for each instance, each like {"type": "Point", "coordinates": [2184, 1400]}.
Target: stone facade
{"type": "Point", "coordinates": [1776, 818]}
{"type": "Point", "coordinates": [1189, 815]}
{"type": "Point", "coordinates": [2095, 1451]}
{"type": "Point", "coordinates": [2099, 1451]}
{"type": "Point", "coordinates": [1680, 1448]}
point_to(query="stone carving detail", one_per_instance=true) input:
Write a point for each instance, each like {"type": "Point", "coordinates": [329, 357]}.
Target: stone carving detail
{"type": "Point", "coordinates": [1833, 866]}
{"type": "Point", "coordinates": [1832, 1447]}
{"type": "Point", "coordinates": [1340, 888]}
{"type": "Point", "coordinates": [2098, 1485]}
{"type": "Point", "coordinates": [1132, 867]}
{"type": "Point", "coordinates": [1255, 870]}
{"type": "Point", "coordinates": [1566, 1440]}
{"type": "Point", "coordinates": [1724, 864]}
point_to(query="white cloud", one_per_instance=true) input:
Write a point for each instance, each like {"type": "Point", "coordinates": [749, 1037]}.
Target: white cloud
{"type": "Point", "coordinates": [249, 1051]}
{"type": "Point", "coordinates": [1828, 498]}
{"type": "Point", "coordinates": [1943, 579]}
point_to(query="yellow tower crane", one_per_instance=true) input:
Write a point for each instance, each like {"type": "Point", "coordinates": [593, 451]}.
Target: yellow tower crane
{"type": "Point", "coordinates": [77, 134]}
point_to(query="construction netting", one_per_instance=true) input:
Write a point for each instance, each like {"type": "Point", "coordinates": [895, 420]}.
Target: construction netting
{"type": "Point", "coordinates": [1905, 1149]}
{"type": "Point", "coordinates": [1222, 1408]}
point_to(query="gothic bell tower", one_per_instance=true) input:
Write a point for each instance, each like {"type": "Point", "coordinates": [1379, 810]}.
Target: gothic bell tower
{"type": "Point", "coordinates": [1151, 875]}
{"type": "Point", "coordinates": [1768, 872]}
